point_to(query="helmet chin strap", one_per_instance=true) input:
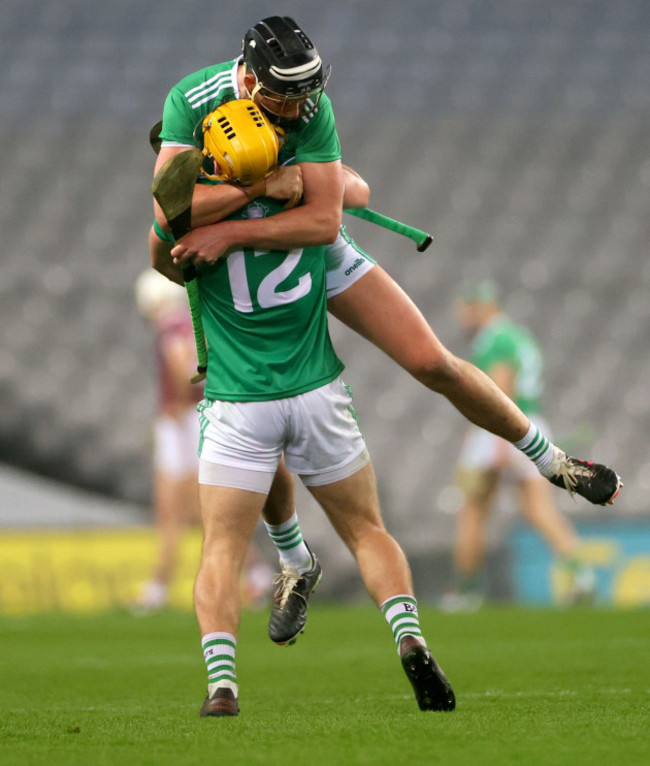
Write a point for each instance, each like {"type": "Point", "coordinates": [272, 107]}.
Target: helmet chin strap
{"type": "Point", "coordinates": [255, 91]}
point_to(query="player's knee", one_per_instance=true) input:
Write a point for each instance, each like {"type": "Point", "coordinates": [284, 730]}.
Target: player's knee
{"type": "Point", "coordinates": [366, 534]}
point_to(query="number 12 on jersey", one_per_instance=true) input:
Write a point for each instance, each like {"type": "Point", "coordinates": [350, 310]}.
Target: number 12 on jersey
{"type": "Point", "coordinates": [268, 295]}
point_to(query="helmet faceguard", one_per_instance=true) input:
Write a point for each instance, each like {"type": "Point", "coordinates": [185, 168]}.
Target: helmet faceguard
{"type": "Point", "coordinates": [286, 65]}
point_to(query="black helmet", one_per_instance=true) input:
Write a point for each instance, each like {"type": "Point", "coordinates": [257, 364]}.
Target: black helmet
{"type": "Point", "coordinates": [284, 61]}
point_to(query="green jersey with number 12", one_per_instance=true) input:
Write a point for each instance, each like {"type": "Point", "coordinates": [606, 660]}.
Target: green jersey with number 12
{"type": "Point", "coordinates": [265, 319]}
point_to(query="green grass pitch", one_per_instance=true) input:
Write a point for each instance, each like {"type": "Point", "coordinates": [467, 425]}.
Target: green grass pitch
{"type": "Point", "coordinates": [533, 687]}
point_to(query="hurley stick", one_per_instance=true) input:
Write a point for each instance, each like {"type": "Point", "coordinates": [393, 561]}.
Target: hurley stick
{"type": "Point", "coordinates": [421, 238]}
{"type": "Point", "coordinates": [173, 187]}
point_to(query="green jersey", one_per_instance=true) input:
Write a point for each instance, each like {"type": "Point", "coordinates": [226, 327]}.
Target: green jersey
{"type": "Point", "coordinates": [312, 138]}
{"type": "Point", "coordinates": [264, 314]}
{"type": "Point", "coordinates": [265, 320]}
{"type": "Point", "coordinates": [504, 342]}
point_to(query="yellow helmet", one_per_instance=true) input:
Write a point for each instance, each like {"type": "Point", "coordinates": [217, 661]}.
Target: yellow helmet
{"type": "Point", "coordinates": [242, 142]}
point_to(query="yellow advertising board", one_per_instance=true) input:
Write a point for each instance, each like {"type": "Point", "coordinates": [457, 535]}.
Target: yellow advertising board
{"type": "Point", "coordinates": [86, 571]}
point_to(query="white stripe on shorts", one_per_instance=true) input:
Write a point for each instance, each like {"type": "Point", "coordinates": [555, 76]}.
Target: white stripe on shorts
{"type": "Point", "coordinates": [238, 478]}
{"type": "Point", "coordinates": [329, 477]}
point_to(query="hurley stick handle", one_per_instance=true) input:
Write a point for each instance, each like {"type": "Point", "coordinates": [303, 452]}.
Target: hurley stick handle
{"type": "Point", "coordinates": [421, 238]}
{"type": "Point", "coordinates": [173, 189]}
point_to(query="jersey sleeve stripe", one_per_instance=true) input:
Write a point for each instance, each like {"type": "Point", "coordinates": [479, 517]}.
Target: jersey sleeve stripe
{"type": "Point", "coordinates": [206, 93]}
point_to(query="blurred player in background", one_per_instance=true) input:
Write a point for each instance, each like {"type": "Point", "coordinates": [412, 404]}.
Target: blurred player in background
{"type": "Point", "coordinates": [176, 439]}
{"type": "Point", "coordinates": [510, 355]}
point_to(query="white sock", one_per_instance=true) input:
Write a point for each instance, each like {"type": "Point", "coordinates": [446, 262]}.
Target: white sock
{"type": "Point", "coordinates": [401, 613]}
{"type": "Point", "coordinates": [291, 548]}
{"type": "Point", "coordinates": [538, 448]}
{"type": "Point", "coordinates": [219, 654]}
{"type": "Point", "coordinates": [153, 595]}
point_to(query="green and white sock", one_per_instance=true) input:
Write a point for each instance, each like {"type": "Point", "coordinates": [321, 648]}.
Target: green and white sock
{"type": "Point", "coordinates": [401, 613]}
{"type": "Point", "coordinates": [538, 448]}
{"type": "Point", "coordinates": [287, 538]}
{"type": "Point", "coordinates": [219, 653]}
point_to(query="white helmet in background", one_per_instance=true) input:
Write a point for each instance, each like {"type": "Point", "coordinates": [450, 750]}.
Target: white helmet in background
{"type": "Point", "coordinates": [155, 294]}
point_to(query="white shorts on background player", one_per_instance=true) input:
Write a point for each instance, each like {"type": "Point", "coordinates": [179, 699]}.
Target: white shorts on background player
{"type": "Point", "coordinates": [242, 442]}
{"type": "Point", "coordinates": [176, 443]}
{"type": "Point", "coordinates": [482, 450]}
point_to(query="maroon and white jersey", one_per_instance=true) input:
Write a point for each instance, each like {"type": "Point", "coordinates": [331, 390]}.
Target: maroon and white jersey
{"type": "Point", "coordinates": [174, 332]}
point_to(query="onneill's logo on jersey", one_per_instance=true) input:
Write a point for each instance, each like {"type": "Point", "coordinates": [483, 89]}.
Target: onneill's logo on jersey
{"type": "Point", "coordinates": [355, 265]}
{"type": "Point", "coordinates": [256, 210]}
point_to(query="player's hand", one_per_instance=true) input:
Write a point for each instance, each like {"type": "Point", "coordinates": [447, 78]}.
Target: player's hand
{"type": "Point", "coordinates": [205, 245]}
{"type": "Point", "coordinates": [285, 182]}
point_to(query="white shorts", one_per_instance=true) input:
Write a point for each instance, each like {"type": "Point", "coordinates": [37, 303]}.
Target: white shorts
{"type": "Point", "coordinates": [176, 444]}
{"type": "Point", "coordinates": [482, 451]}
{"type": "Point", "coordinates": [317, 431]}
{"type": "Point", "coordinates": [345, 263]}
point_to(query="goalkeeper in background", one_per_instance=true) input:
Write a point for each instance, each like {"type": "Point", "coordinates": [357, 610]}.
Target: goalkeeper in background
{"type": "Point", "coordinates": [509, 354]}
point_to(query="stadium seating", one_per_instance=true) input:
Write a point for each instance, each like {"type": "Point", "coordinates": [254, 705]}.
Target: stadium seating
{"type": "Point", "coordinates": [515, 132]}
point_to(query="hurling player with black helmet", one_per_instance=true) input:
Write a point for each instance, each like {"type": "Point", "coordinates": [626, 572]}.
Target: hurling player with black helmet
{"type": "Point", "coordinates": [289, 74]}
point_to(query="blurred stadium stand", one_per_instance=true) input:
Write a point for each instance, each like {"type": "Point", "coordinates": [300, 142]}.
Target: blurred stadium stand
{"type": "Point", "coordinates": [516, 131]}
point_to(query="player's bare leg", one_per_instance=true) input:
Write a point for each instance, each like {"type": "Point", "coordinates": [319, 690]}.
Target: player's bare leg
{"type": "Point", "coordinates": [539, 510]}
{"type": "Point", "coordinates": [229, 518]}
{"type": "Point", "coordinates": [479, 487]}
{"type": "Point", "coordinates": [281, 501]}
{"type": "Point", "coordinates": [176, 503]}
{"type": "Point", "coordinates": [380, 311]}
{"type": "Point", "coordinates": [353, 508]}
{"type": "Point", "coordinates": [300, 570]}
{"type": "Point", "coordinates": [176, 507]}
{"type": "Point", "coordinates": [469, 555]}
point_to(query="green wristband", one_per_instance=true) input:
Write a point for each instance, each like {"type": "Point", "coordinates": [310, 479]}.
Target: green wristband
{"type": "Point", "coordinates": [164, 235]}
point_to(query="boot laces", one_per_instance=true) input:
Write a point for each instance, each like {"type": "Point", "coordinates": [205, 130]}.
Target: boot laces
{"type": "Point", "coordinates": [286, 581]}
{"type": "Point", "coordinates": [569, 471]}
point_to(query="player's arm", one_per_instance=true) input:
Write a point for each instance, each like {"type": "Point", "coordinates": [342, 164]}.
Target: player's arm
{"type": "Point", "coordinates": [315, 222]}
{"type": "Point", "coordinates": [356, 192]}
{"type": "Point", "coordinates": [161, 259]}
{"type": "Point", "coordinates": [209, 203]}
{"type": "Point", "coordinates": [213, 203]}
